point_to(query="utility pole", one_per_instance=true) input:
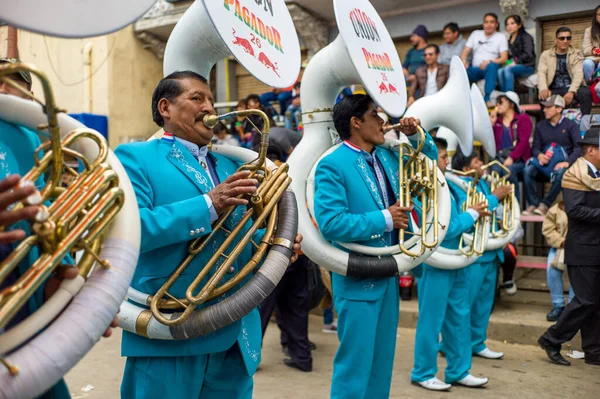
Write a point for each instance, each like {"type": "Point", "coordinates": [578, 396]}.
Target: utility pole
{"type": "Point", "coordinates": [12, 43]}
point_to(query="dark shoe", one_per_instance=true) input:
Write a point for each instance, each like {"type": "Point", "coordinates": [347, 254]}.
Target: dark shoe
{"type": "Point", "coordinates": [312, 345]}
{"type": "Point", "coordinates": [555, 313]}
{"type": "Point", "coordinates": [285, 351]}
{"type": "Point", "coordinates": [553, 353]}
{"type": "Point", "coordinates": [593, 360]}
{"type": "Point", "coordinates": [290, 363]}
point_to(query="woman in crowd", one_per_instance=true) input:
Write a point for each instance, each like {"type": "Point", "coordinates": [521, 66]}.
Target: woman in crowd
{"type": "Point", "coordinates": [521, 53]}
{"type": "Point", "coordinates": [512, 130]}
{"type": "Point", "coordinates": [591, 47]}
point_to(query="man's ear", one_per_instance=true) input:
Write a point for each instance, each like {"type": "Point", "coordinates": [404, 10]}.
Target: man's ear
{"type": "Point", "coordinates": [164, 108]}
{"type": "Point", "coordinates": [355, 122]}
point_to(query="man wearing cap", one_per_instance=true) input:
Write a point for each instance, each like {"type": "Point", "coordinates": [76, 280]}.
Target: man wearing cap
{"type": "Point", "coordinates": [415, 57]}
{"type": "Point", "coordinates": [560, 71]}
{"type": "Point", "coordinates": [490, 52]}
{"type": "Point", "coordinates": [554, 149]}
{"type": "Point", "coordinates": [581, 192]}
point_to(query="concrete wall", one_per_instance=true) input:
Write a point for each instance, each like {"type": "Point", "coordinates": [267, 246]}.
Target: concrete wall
{"type": "Point", "coordinates": [134, 73]}
{"type": "Point", "coordinates": [124, 77]}
{"type": "Point", "coordinates": [63, 61]}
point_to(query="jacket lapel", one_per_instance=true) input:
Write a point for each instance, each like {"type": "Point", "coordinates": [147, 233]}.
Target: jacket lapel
{"type": "Point", "coordinates": [365, 173]}
{"type": "Point", "coordinates": [390, 171]}
{"type": "Point", "coordinates": [183, 160]}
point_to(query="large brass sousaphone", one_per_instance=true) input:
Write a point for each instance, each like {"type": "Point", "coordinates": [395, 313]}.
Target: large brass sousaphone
{"type": "Point", "coordinates": [364, 53]}
{"type": "Point", "coordinates": [96, 215]}
{"type": "Point", "coordinates": [208, 32]}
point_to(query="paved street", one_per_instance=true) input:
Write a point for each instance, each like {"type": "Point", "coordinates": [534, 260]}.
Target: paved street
{"type": "Point", "coordinates": [524, 373]}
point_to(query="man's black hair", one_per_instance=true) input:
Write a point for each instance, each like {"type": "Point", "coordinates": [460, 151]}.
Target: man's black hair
{"type": "Point", "coordinates": [460, 160]}
{"type": "Point", "coordinates": [441, 143]}
{"type": "Point", "coordinates": [453, 26]}
{"type": "Point", "coordinates": [491, 14]}
{"type": "Point", "coordinates": [170, 88]}
{"type": "Point", "coordinates": [254, 97]}
{"type": "Point", "coordinates": [355, 105]}
{"type": "Point", "coordinates": [435, 47]}
{"type": "Point", "coordinates": [563, 29]}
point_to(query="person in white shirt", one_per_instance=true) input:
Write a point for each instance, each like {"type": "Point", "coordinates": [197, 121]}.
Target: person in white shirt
{"type": "Point", "coordinates": [431, 77]}
{"type": "Point", "coordinates": [490, 53]}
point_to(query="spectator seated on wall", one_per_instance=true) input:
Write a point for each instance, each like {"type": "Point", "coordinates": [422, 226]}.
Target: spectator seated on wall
{"type": "Point", "coordinates": [521, 54]}
{"type": "Point", "coordinates": [591, 48]}
{"type": "Point", "coordinates": [560, 71]}
{"type": "Point", "coordinates": [554, 150]}
{"type": "Point", "coordinates": [415, 57]}
{"type": "Point", "coordinates": [454, 43]}
{"type": "Point", "coordinates": [490, 52]}
{"type": "Point", "coordinates": [512, 130]}
{"type": "Point", "coordinates": [430, 78]}
{"type": "Point", "coordinates": [283, 96]}
{"type": "Point", "coordinates": [293, 115]}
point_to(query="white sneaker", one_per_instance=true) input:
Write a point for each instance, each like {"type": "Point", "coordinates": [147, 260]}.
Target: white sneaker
{"type": "Point", "coordinates": [330, 328]}
{"type": "Point", "coordinates": [473, 382]}
{"type": "Point", "coordinates": [435, 384]}
{"type": "Point", "coordinates": [510, 287]}
{"type": "Point", "coordinates": [490, 354]}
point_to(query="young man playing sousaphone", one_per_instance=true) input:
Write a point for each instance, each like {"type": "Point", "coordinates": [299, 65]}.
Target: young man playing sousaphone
{"type": "Point", "coordinates": [181, 189]}
{"type": "Point", "coordinates": [483, 273]}
{"type": "Point", "coordinates": [356, 201]}
{"type": "Point", "coordinates": [581, 192]}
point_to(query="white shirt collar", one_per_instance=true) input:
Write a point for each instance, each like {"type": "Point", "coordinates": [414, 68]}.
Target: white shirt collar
{"type": "Point", "coordinates": [559, 121]}
{"type": "Point", "coordinates": [592, 167]}
{"type": "Point", "coordinates": [198, 152]}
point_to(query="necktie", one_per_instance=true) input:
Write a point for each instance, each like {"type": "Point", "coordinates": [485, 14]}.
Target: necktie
{"type": "Point", "coordinates": [211, 169]}
{"type": "Point", "coordinates": [379, 176]}
{"type": "Point", "coordinates": [597, 173]}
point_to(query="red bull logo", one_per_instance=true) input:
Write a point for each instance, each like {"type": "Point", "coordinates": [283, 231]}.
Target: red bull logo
{"type": "Point", "coordinates": [387, 88]}
{"type": "Point", "coordinates": [263, 59]}
{"type": "Point", "coordinates": [253, 22]}
{"type": "Point", "coordinates": [244, 43]}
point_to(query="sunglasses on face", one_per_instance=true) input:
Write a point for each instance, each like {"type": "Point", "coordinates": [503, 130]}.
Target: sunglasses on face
{"type": "Point", "coordinates": [563, 38]}
{"type": "Point", "coordinates": [429, 54]}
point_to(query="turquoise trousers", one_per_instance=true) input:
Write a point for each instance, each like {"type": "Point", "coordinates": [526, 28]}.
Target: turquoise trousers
{"type": "Point", "coordinates": [444, 308]}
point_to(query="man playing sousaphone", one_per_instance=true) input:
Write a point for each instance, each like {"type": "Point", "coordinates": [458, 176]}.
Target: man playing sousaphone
{"type": "Point", "coordinates": [356, 202]}
{"type": "Point", "coordinates": [483, 273]}
{"type": "Point", "coordinates": [181, 188]}
{"type": "Point", "coordinates": [444, 305]}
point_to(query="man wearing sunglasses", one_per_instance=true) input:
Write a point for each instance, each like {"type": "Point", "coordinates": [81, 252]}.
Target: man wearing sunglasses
{"type": "Point", "coordinates": [431, 77]}
{"type": "Point", "coordinates": [560, 71]}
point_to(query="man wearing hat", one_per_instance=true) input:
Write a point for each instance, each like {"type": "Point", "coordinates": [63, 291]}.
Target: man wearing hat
{"type": "Point", "coordinates": [554, 149]}
{"type": "Point", "coordinates": [512, 129]}
{"type": "Point", "coordinates": [581, 192]}
{"type": "Point", "coordinates": [415, 57]}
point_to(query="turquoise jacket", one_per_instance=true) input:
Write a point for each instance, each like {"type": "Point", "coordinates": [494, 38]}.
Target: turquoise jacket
{"type": "Point", "coordinates": [17, 146]}
{"type": "Point", "coordinates": [460, 222]}
{"type": "Point", "coordinates": [169, 184]}
{"type": "Point", "coordinates": [348, 208]}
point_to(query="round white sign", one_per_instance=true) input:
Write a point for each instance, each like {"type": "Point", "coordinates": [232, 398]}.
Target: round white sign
{"type": "Point", "coordinates": [373, 53]}
{"type": "Point", "coordinates": [261, 36]}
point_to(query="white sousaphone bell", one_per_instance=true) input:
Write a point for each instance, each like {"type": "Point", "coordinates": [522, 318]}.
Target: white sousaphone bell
{"type": "Point", "coordinates": [362, 53]}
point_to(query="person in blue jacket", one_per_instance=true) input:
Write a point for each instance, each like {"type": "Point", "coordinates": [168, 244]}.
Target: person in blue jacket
{"type": "Point", "coordinates": [484, 272]}
{"type": "Point", "coordinates": [356, 193]}
{"type": "Point", "coordinates": [17, 147]}
{"type": "Point", "coordinates": [444, 305]}
{"type": "Point", "coordinates": [181, 188]}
